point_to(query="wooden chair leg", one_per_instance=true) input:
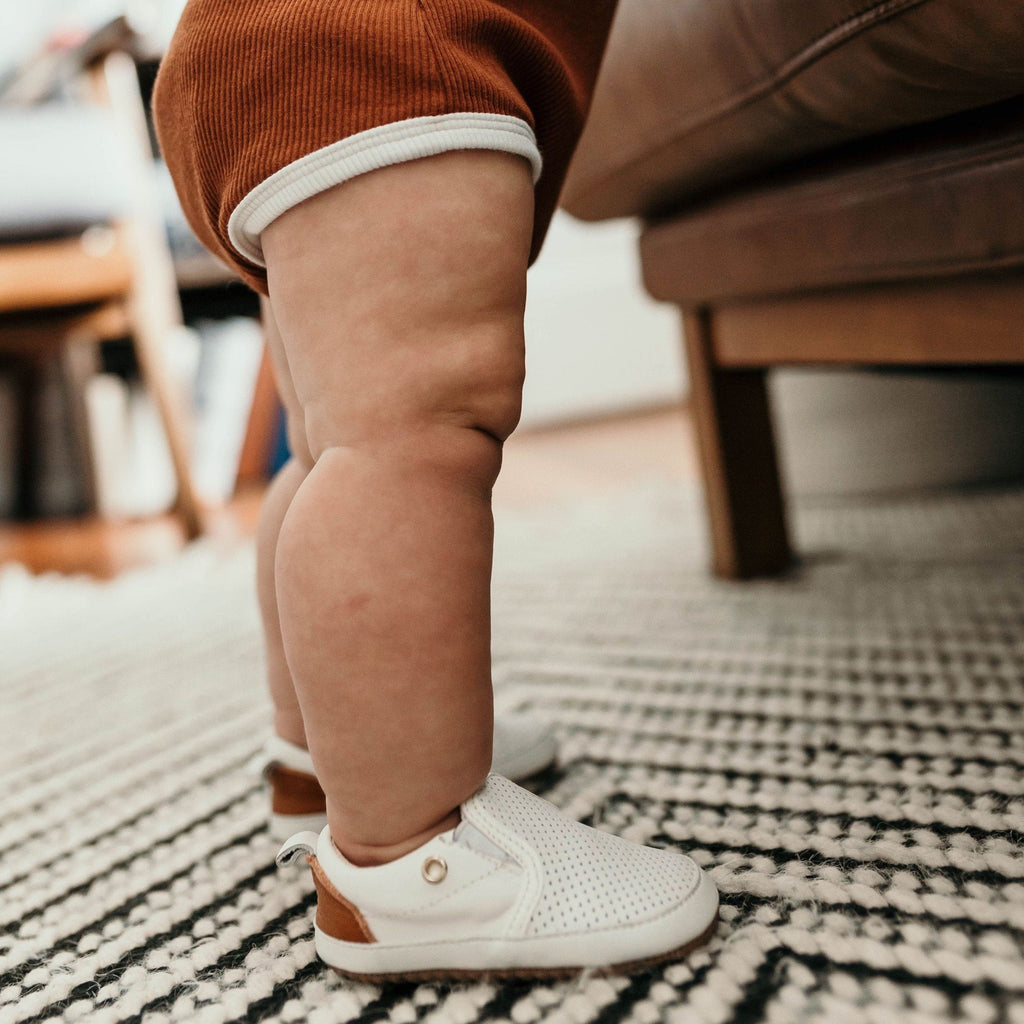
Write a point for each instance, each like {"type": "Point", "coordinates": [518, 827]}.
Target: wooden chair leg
{"type": "Point", "coordinates": [155, 307]}
{"type": "Point", "coordinates": [80, 361]}
{"type": "Point", "coordinates": [742, 489]}
{"type": "Point", "coordinates": [28, 377]}
{"type": "Point", "coordinates": [158, 381]}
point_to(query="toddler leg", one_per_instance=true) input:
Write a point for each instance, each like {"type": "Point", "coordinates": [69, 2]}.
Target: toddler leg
{"type": "Point", "coordinates": [287, 716]}
{"type": "Point", "coordinates": [523, 745]}
{"type": "Point", "coordinates": [399, 297]}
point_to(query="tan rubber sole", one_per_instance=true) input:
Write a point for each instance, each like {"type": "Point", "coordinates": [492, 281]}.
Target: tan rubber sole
{"type": "Point", "coordinates": [535, 973]}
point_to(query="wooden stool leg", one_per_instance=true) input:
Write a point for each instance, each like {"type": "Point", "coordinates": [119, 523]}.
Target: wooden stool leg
{"type": "Point", "coordinates": [742, 489]}
{"type": "Point", "coordinates": [28, 376]}
{"type": "Point", "coordinates": [80, 362]}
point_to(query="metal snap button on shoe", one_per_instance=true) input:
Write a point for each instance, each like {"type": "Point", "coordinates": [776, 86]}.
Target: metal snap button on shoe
{"type": "Point", "coordinates": [434, 870]}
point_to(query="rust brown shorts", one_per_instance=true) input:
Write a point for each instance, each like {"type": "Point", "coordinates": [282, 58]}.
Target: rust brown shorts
{"type": "Point", "coordinates": [261, 104]}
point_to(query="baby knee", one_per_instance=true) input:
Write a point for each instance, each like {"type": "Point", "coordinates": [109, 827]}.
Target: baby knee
{"type": "Point", "coordinates": [495, 411]}
{"type": "Point", "coordinates": [457, 447]}
{"type": "Point", "coordinates": [482, 387]}
{"type": "Point", "coordinates": [463, 431]}
{"type": "Point", "coordinates": [453, 390]}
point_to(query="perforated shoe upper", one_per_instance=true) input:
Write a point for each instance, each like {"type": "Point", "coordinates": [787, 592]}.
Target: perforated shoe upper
{"type": "Point", "coordinates": [587, 879]}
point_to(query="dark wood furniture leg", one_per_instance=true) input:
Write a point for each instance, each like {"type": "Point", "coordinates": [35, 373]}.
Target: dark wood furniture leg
{"type": "Point", "coordinates": [745, 506]}
{"type": "Point", "coordinates": [28, 377]}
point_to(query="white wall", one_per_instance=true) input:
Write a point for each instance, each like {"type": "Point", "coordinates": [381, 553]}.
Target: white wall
{"type": "Point", "coordinates": [595, 343]}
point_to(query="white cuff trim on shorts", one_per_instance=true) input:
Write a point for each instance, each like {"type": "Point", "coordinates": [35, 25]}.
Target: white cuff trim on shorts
{"type": "Point", "coordinates": [370, 150]}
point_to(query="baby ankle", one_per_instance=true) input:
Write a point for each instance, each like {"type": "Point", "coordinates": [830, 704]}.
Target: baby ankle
{"type": "Point", "coordinates": [366, 855]}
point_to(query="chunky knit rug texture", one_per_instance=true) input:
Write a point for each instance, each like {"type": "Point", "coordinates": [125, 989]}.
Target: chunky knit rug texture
{"type": "Point", "coordinates": [842, 749]}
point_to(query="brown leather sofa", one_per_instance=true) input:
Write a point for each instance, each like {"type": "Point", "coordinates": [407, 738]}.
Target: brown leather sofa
{"type": "Point", "coordinates": [835, 182]}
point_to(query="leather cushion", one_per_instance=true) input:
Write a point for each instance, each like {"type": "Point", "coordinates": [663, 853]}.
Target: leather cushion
{"type": "Point", "coordinates": [694, 94]}
{"type": "Point", "coordinates": [941, 199]}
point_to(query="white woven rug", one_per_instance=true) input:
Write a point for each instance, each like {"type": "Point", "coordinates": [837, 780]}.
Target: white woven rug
{"type": "Point", "coordinates": [842, 749]}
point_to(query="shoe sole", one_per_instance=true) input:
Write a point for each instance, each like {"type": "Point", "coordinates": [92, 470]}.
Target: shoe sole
{"type": "Point", "coordinates": [533, 973]}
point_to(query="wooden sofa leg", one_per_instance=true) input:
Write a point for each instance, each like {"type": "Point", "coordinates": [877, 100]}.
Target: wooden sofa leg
{"type": "Point", "coordinates": [742, 489]}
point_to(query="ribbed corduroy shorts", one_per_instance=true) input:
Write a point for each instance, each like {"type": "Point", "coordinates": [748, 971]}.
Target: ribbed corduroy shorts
{"type": "Point", "coordinates": [261, 104]}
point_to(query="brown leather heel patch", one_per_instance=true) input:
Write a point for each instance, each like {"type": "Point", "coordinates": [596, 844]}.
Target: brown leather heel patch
{"type": "Point", "coordinates": [335, 916]}
{"type": "Point", "coordinates": [293, 792]}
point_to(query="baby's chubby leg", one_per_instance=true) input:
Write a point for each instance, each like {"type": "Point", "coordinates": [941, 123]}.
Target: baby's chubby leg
{"type": "Point", "coordinates": [287, 717]}
{"type": "Point", "coordinates": [399, 296]}
{"type": "Point", "coordinates": [522, 744]}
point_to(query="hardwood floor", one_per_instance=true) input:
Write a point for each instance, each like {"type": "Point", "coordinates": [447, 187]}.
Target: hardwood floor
{"type": "Point", "coordinates": [540, 466]}
{"type": "Point", "coordinates": [595, 458]}
{"type": "Point", "coordinates": [106, 548]}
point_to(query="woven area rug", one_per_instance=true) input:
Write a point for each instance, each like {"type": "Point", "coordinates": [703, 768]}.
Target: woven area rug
{"type": "Point", "coordinates": [843, 750]}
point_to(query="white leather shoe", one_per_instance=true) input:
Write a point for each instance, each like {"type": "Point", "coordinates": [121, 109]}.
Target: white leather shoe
{"type": "Point", "coordinates": [516, 889]}
{"type": "Point", "coordinates": [523, 746]}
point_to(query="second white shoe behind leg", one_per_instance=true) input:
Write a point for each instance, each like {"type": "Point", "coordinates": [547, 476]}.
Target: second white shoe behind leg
{"type": "Point", "coordinates": [523, 746]}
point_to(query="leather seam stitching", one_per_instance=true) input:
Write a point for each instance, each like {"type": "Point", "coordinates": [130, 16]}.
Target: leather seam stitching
{"type": "Point", "coordinates": [786, 71]}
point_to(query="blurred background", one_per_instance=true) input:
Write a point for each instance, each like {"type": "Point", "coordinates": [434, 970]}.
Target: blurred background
{"type": "Point", "coordinates": [134, 381]}
{"type": "Point", "coordinates": [599, 345]}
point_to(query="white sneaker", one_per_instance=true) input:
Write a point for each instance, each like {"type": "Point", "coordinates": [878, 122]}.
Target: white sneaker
{"type": "Point", "coordinates": [515, 889]}
{"type": "Point", "coordinates": [523, 746]}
